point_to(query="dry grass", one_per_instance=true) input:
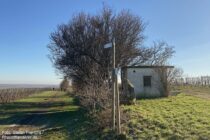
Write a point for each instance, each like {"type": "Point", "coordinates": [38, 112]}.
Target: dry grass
{"type": "Point", "coordinates": [202, 92]}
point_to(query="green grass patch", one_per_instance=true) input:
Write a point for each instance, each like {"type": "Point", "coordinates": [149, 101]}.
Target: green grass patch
{"type": "Point", "coordinates": [176, 117]}
{"type": "Point", "coordinates": [52, 111]}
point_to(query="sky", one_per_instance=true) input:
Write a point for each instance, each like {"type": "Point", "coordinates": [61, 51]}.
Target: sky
{"type": "Point", "coordinates": [25, 27]}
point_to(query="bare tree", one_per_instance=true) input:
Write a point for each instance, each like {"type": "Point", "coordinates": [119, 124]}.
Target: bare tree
{"type": "Point", "coordinates": [159, 53]}
{"type": "Point", "coordinates": [64, 84]}
{"type": "Point", "coordinates": [77, 48]}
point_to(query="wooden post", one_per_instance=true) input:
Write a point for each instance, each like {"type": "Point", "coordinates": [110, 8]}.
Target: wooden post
{"type": "Point", "coordinates": [113, 84]}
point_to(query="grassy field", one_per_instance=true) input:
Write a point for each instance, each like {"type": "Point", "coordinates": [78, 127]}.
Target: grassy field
{"type": "Point", "coordinates": [58, 117]}
{"type": "Point", "coordinates": [178, 117]}
{"type": "Point", "coordinates": [53, 113]}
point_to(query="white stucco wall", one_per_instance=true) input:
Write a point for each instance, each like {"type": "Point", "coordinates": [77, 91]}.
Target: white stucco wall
{"type": "Point", "coordinates": [136, 78]}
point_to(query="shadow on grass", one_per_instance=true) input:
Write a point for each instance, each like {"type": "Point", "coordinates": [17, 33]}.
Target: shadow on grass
{"type": "Point", "coordinates": [74, 120]}
{"type": "Point", "coordinates": [29, 105]}
{"type": "Point", "coordinates": [41, 97]}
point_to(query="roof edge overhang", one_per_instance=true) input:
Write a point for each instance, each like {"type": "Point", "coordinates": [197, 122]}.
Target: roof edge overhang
{"type": "Point", "coordinates": [149, 66]}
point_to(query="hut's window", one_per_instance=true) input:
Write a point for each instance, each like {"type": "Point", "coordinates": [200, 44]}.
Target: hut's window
{"type": "Point", "coordinates": [147, 81]}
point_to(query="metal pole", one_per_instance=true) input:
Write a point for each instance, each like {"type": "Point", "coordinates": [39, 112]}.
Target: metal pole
{"type": "Point", "coordinates": [117, 105]}
{"type": "Point", "coordinates": [113, 84]}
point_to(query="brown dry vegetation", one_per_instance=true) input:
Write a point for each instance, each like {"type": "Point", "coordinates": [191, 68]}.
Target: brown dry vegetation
{"type": "Point", "coordinates": [8, 95]}
{"type": "Point", "coordinates": [198, 91]}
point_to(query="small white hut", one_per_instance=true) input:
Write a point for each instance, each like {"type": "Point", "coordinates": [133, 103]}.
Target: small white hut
{"type": "Point", "coordinates": [148, 81]}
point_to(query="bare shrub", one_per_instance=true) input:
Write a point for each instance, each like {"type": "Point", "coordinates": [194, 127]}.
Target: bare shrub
{"type": "Point", "coordinates": [95, 97]}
